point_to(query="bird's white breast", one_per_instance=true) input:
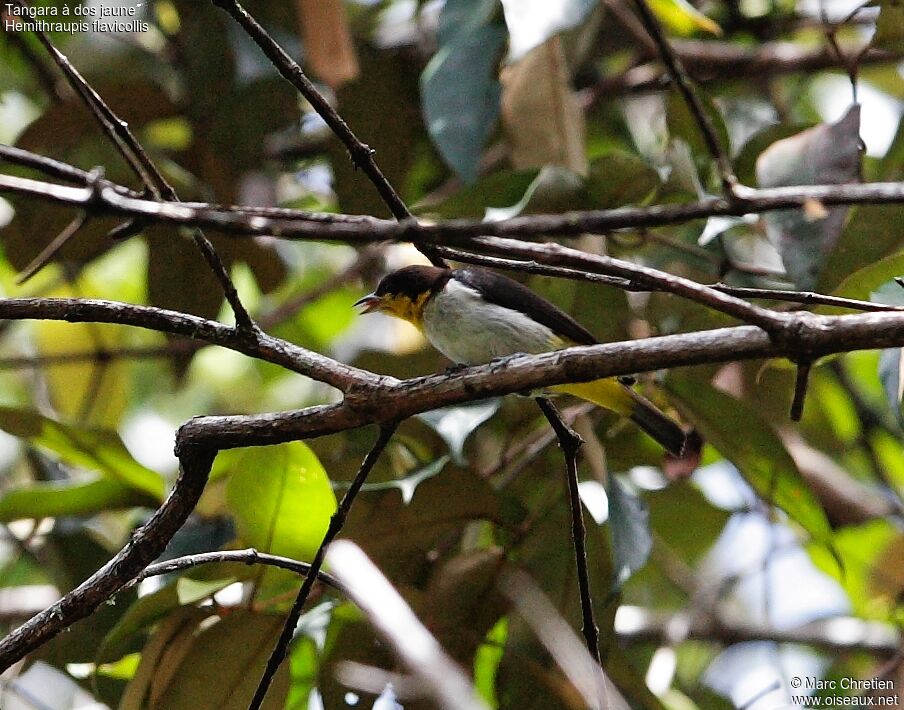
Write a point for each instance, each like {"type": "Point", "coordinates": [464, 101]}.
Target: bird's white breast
{"type": "Point", "coordinates": [467, 329]}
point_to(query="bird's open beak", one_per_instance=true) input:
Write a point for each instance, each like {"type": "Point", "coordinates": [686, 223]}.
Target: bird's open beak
{"type": "Point", "coordinates": [369, 303]}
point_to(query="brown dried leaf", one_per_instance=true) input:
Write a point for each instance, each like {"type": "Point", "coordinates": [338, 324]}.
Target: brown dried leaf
{"type": "Point", "coordinates": [540, 111]}
{"type": "Point", "coordinates": [327, 40]}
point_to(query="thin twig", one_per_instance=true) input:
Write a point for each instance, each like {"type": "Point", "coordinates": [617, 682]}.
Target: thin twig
{"type": "Point", "coordinates": [684, 85]}
{"type": "Point", "coordinates": [337, 521]}
{"type": "Point", "coordinates": [571, 442]}
{"type": "Point", "coordinates": [51, 250]}
{"type": "Point", "coordinates": [806, 298]}
{"type": "Point", "coordinates": [361, 154]}
{"type": "Point", "coordinates": [248, 556]}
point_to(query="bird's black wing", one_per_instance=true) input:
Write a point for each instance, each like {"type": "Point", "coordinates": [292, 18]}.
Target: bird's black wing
{"type": "Point", "coordinates": [507, 293]}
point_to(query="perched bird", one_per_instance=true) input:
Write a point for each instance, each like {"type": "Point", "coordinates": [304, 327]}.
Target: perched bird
{"type": "Point", "coordinates": [474, 315]}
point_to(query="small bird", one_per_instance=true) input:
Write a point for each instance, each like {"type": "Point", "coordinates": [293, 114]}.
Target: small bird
{"type": "Point", "coordinates": [474, 315]}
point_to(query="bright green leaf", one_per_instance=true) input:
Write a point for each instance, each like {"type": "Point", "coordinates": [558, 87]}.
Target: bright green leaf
{"type": "Point", "coordinates": [281, 499]}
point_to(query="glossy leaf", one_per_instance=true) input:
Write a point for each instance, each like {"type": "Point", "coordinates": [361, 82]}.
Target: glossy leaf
{"type": "Point", "coordinates": [98, 450]}
{"type": "Point", "coordinates": [459, 87]}
{"type": "Point", "coordinates": [742, 436]}
{"type": "Point", "coordinates": [825, 154]}
{"type": "Point", "coordinates": [281, 499]}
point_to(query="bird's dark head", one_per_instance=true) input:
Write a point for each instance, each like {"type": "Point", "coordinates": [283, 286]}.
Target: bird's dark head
{"type": "Point", "coordinates": [405, 292]}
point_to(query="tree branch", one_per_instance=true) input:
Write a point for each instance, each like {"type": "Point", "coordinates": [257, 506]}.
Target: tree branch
{"type": "Point", "coordinates": [807, 335]}
{"type": "Point", "coordinates": [296, 224]}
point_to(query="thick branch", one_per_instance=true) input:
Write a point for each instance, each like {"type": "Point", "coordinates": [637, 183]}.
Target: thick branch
{"type": "Point", "coordinates": [807, 335]}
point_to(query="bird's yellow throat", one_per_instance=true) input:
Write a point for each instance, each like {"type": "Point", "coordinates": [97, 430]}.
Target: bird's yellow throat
{"type": "Point", "coordinates": [401, 306]}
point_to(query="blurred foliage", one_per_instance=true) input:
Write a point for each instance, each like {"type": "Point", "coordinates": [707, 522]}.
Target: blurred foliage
{"type": "Point", "coordinates": [88, 411]}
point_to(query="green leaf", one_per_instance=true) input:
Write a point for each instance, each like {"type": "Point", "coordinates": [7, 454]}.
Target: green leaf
{"type": "Point", "coordinates": [51, 500]}
{"type": "Point", "coordinates": [460, 88]}
{"type": "Point", "coordinates": [825, 154]}
{"type": "Point", "coordinates": [742, 436]}
{"type": "Point", "coordinates": [863, 550]}
{"type": "Point", "coordinates": [497, 190]}
{"type": "Point", "coordinates": [98, 450]}
{"type": "Point", "coordinates": [456, 424]}
{"type": "Point", "coordinates": [532, 23]}
{"type": "Point", "coordinates": [629, 521]}
{"type": "Point", "coordinates": [281, 499]}
{"type": "Point", "coordinates": [682, 18]}
{"type": "Point", "coordinates": [555, 189]}
{"type": "Point", "coordinates": [862, 283]}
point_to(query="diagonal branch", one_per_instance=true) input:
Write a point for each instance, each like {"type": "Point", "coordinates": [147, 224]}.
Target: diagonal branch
{"type": "Point", "coordinates": [147, 543]}
{"type": "Point", "coordinates": [683, 83]}
{"type": "Point", "coordinates": [337, 521]}
{"type": "Point", "coordinates": [361, 154]}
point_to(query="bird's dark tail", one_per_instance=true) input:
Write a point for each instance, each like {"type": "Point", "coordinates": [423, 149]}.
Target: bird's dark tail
{"type": "Point", "coordinates": [658, 425]}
